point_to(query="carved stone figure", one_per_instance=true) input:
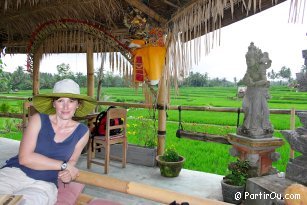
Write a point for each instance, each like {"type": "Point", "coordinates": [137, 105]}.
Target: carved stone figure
{"type": "Point", "coordinates": [297, 167]}
{"type": "Point", "coordinates": [301, 77]}
{"type": "Point", "coordinates": [256, 122]}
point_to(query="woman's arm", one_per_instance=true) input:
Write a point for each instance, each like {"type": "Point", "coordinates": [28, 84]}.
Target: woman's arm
{"type": "Point", "coordinates": [71, 171]}
{"type": "Point", "coordinates": [27, 156]}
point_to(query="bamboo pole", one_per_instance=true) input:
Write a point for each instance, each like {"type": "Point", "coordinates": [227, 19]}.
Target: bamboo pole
{"type": "Point", "coordinates": [84, 199]}
{"type": "Point", "coordinates": [90, 74]}
{"type": "Point", "coordinates": [90, 67]}
{"type": "Point", "coordinates": [173, 107]}
{"type": "Point", "coordinates": [141, 190]}
{"type": "Point", "coordinates": [292, 127]}
{"type": "Point", "coordinates": [161, 116]}
{"type": "Point", "coordinates": [139, 105]}
{"type": "Point", "coordinates": [36, 61]}
{"type": "Point", "coordinates": [202, 137]}
{"type": "Point", "coordinates": [12, 115]}
{"type": "Point", "coordinates": [193, 108]}
{"type": "Point", "coordinates": [13, 98]}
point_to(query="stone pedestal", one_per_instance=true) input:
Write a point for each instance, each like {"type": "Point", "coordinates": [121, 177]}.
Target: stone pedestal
{"type": "Point", "coordinates": [297, 170]}
{"type": "Point", "coordinates": [259, 152]}
{"type": "Point", "coordinates": [297, 167]}
{"type": "Point", "coordinates": [266, 190]}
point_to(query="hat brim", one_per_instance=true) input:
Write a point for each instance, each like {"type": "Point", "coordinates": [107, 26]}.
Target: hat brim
{"type": "Point", "coordinates": [43, 103]}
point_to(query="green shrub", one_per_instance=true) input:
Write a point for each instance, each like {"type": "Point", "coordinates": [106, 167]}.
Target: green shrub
{"type": "Point", "coordinates": [4, 107]}
{"type": "Point", "coordinates": [170, 155]}
{"type": "Point", "coordinates": [239, 173]}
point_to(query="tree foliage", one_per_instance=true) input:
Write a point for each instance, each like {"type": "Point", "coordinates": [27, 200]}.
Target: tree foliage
{"type": "Point", "coordinates": [285, 73]}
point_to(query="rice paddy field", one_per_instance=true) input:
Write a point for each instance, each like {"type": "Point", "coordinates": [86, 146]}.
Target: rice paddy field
{"type": "Point", "coordinates": [201, 156]}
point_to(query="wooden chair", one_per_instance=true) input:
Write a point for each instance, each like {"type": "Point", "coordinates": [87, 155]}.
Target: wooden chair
{"type": "Point", "coordinates": [28, 111]}
{"type": "Point", "coordinates": [106, 141]}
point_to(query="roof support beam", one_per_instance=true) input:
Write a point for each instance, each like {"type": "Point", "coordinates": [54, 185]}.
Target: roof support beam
{"type": "Point", "coordinates": [145, 9]}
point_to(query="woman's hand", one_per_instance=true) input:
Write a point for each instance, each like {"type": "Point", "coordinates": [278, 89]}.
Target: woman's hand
{"type": "Point", "coordinates": [69, 174]}
{"type": "Point", "coordinates": [65, 176]}
{"type": "Point", "coordinates": [74, 172]}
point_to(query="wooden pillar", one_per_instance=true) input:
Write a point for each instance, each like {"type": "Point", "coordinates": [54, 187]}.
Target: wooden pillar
{"type": "Point", "coordinates": [292, 127]}
{"type": "Point", "coordinates": [162, 103]}
{"type": "Point", "coordinates": [36, 62]}
{"type": "Point", "coordinates": [90, 67]}
{"type": "Point", "coordinates": [90, 75]}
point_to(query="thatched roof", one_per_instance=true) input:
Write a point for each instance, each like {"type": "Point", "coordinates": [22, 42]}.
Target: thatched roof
{"type": "Point", "coordinates": [67, 26]}
{"type": "Point", "coordinates": [20, 19]}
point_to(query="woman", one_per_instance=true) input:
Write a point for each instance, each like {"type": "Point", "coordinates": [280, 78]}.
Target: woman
{"type": "Point", "coordinates": [50, 146]}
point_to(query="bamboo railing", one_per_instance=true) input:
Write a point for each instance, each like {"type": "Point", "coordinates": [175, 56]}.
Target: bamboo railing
{"type": "Point", "coordinates": [292, 111]}
{"type": "Point", "coordinates": [185, 134]}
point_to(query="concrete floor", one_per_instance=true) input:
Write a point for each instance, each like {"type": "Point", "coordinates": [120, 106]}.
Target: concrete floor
{"type": "Point", "coordinates": [190, 182]}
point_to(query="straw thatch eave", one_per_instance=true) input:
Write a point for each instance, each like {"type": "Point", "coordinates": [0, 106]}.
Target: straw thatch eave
{"type": "Point", "coordinates": [19, 18]}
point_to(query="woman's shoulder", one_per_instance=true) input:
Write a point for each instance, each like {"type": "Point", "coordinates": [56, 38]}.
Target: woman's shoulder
{"type": "Point", "coordinates": [36, 116]}
{"type": "Point", "coordinates": [82, 127]}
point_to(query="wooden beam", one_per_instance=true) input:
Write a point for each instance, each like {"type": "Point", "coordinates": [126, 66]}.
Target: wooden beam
{"type": "Point", "coordinates": [160, 195]}
{"type": "Point", "coordinates": [205, 137]}
{"type": "Point", "coordinates": [145, 9]}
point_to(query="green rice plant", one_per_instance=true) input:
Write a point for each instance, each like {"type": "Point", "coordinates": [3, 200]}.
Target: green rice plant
{"type": "Point", "coordinates": [4, 107]}
{"type": "Point", "coordinates": [201, 156]}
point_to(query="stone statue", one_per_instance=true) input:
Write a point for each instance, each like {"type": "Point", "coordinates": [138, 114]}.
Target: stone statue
{"type": "Point", "coordinates": [256, 122]}
{"type": "Point", "coordinates": [301, 77]}
{"type": "Point", "coordinates": [297, 167]}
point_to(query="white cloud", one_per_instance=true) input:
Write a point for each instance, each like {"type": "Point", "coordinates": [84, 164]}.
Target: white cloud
{"type": "Point", "coordinates": [270, 31]}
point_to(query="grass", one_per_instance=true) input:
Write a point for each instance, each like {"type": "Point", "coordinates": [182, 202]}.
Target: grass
{"type": "Point", "coordinates": [201, 156]}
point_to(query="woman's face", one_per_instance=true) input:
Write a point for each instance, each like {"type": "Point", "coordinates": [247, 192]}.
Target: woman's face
{"type": "Point", "coordinates": [65, 107]}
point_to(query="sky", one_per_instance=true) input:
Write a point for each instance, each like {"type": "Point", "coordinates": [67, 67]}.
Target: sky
{"type": "Point", "coordinates": [269, 30]}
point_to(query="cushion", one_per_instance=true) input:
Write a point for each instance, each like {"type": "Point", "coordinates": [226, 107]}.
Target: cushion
{"type": "Point", "coordinates": [102, 202]}
{"type": "Point", "coordinates": [69, 193]}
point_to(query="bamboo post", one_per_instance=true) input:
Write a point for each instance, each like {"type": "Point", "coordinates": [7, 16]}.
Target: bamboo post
{"type": "Point", "coordinates": [90, 67]}
{"type": "Point", "coordinates": [36, 61]}
{"type": "Point", "coordinates": [163, 196]}
{"type": "Point", "coordinates": [292, 127]}
{"type": "Point", "coordinates": [161, 106]}
{"type": "Point", "coordinates": [90, 73]}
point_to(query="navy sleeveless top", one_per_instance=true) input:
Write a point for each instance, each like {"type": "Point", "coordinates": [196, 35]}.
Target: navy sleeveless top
{"type": "Point", "coordinates": [46, 146]}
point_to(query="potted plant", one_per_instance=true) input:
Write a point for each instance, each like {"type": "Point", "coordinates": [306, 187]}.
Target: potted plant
{"type": "Point", "coordinates": [235, 181]}
{"type": "Point", "coordinates": [170, 162]}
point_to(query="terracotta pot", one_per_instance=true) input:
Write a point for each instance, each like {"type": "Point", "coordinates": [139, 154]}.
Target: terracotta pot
{"type": "Point", "coordinates": [170, 169]}
{"type": "Point", "coordinates": [231, 193]}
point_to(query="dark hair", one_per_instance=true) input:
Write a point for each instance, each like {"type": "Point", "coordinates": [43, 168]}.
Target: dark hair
{"type": "Point", "coordinates": [56, 98]}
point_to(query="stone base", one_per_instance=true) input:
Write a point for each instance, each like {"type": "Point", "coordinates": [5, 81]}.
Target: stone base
{"type": "Point", "coordinates": [297, 170]}
{"type": "Point", "coordinates": [259, 152]}
{"type": "Point", "coordinates": [255, 144]}
{"type": "Point", "coordinates": [259, 190]}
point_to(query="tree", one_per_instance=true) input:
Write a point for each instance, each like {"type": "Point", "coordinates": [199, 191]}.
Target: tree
{"type": "Point", "coordinates": [5, 78]}
{"type": "Point", "coordinates": [81, 79]}
{"type": "Point", "coordinates": [235, 80]}
{"type": "Point", "coordinates": [17, 78]}
{"type": "Point", "coordinates": [196, 80]}
{"type": "Point", "coordinates": [2, 79]}
{"type": "Point", "coordinates": [47, 80]}
{"type": "Point", "coordinates": [285, 73]}
{"type": "Point", "coordinates": [64, 71]}
{"type": "Point", "coordinates": [272, 75]}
